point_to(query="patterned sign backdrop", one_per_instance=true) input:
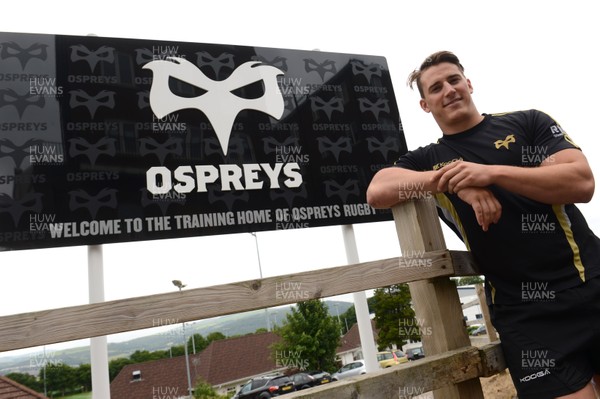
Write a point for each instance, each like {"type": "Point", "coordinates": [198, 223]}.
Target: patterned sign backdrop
{"type": "Point", "coordinates": [110, 140]}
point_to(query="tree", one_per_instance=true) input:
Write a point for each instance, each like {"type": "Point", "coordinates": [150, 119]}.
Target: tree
{"type": "Point", "coordinates": [60, 378]}
{"type": "Point", "coordinates": [394, 316]}
{"type": "Point", "coordinates": [310, 337]}
{"type": "Point", "coordinates": [140, 356]}
{"type": "Point", "coordinates": [83, 377]}
{"type": "Point", "coordinates": [348, 318]}
{"type": "Point", "coordinates": [215, 336]}
{"type": "Point", "coordinates": [198, 342]}
{"type": "Point", "coordinates": [177, 350]}
{"type": "Point", "coordinates": [201, 343]}
{"type": "Point", "coordinates": [469, 280]}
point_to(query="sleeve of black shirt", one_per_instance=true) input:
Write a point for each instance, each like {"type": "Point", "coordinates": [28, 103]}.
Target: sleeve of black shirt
{"type": "Point", "coordinates": [413, 160]}
{"type": "Point", "coordinates": [548, 135]}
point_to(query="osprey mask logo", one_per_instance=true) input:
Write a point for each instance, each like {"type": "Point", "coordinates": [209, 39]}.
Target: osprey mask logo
{"type": "Point", "coordinates": [218, 101]}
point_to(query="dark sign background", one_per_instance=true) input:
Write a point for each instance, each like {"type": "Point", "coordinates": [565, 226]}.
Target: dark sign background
{"type": "Point", "coordinates": [77, 136]}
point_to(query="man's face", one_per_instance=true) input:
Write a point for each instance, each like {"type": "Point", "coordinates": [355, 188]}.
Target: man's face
{"type": "Point", "coordinates": [447, 94]}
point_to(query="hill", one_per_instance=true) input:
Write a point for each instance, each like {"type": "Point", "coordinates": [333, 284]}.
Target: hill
{"type": "Point", "coordinates": [168, 333]}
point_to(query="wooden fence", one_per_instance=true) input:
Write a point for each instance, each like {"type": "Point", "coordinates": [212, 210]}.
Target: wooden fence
{"type": "Point", "coordinates": [451, 369]}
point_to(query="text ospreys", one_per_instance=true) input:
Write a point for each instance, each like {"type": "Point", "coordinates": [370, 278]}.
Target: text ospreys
{"type": "Point", "coordinates": [184, 179]}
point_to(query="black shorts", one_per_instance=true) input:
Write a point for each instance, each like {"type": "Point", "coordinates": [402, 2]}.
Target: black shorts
{"type": "Point", "coordinates": [551, 343]}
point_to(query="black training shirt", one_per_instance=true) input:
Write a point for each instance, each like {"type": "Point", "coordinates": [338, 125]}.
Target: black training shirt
{"type": "Point", "coordinates": [535, 249]}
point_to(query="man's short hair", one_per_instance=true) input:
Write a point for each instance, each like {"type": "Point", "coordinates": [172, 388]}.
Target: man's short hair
{"type": "Point", "coordinates": [433, 59]}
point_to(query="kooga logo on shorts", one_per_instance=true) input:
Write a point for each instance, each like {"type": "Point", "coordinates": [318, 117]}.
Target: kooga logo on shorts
{"type": "Point", "coordinates": [534, 376]}
{"type": "Point", "coordinates": [221, 106]}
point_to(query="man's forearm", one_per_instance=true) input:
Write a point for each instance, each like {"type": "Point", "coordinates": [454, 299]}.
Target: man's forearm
{"type": "Point", "coordinates": [391, 186]}
{"type": "Point", "coordinates": [563, 178]}
{"type": "Point", "coordinates": [552, 184]}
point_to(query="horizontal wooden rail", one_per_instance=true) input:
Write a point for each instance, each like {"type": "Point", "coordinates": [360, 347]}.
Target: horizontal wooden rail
{"type": "Point", "coordinates": [414, 378]}
{"type": "Point", "coordinates": [111, 317]}
{"type": "Point", "coordinates": [469, 304]}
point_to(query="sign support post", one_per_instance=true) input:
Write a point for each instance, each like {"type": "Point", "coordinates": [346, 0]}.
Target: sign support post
{"type": "Point", "coordinates": [98, 345]}
{"type": "Point", "coordinates": [367, 340]}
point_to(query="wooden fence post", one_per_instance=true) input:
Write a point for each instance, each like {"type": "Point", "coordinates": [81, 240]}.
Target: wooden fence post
{"type": "Point", "coordinates": [437, 306]}
{"type": "Point", "coordinates": [485, 311]}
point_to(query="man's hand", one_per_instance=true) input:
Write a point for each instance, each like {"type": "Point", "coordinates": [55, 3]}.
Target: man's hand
{"type": "Point", "coordinates": [470, 181]}
{"type": "Point", "coordinates": [459, 175]}
{"type": "Point", "coordinates": [485, 205]}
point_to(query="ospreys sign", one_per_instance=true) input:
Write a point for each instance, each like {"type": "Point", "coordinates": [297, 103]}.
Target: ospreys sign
{"type": "Point", "coordinates": [110, 140]}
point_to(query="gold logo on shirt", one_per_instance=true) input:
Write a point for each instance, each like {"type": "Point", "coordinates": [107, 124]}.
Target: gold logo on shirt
{"type": "Point", "coordinates": [504, 143]}
{"type": "Point", "coordinates": [442, 164]}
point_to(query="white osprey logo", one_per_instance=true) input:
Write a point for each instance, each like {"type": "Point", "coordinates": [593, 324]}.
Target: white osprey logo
{"type": "Point", "coordinates": [219, 104]}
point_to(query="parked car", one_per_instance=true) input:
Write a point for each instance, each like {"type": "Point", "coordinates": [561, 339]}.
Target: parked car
{"type": "Point", "coordinates": [349, 370]}
{"type": "Point", "coordinates": [266, 387]}
{"type": "Point", "coordinates": [322, 377]}
{"type": "Point", "coordinates": [415, 353]}
{"type": "Point", "coordinates": [481, 330]}
{"type": "Point", "coordinates": [386, 359]}
{"type": "Point", "coordinates": [303, 380]}
{"type": "Point", "coordinates": [401, 356]}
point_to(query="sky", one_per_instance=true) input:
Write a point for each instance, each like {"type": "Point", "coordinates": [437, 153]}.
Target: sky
{"type": "Point", "coordinates": [517, 54]}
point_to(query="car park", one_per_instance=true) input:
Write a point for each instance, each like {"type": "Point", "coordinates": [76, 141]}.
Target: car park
{"type": "Point", "coordinates": [266, 387]}
{"type": "Point", "coordinates": [350, 370]}
{"type": "Point", "coordinates": [386, 359]}
{"type": "Point", "coordinates": [303, 381]}
{"type": "Point", "coordinates": [481, 330]}
{"type": "Point", "coordinates": [322, 377]}
{"type": "Point", "coordinates": [415, 353]}
{"type": "Point", "coordinates": [401, 356]}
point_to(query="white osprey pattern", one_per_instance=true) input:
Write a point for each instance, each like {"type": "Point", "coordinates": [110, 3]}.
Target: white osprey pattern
{"type": "Point", "coordinates": [219, 104]}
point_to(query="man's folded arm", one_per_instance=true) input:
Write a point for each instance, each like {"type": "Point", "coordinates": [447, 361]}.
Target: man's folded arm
{"type": "Point", "coordinates": [393, 185]}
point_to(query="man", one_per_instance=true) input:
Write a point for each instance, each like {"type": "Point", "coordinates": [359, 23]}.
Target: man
{"type": "Point", "coordinates": [506, 184]}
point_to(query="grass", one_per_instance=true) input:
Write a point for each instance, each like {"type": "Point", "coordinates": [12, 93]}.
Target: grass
{"type": "Point", "coordinates": [86, 395]}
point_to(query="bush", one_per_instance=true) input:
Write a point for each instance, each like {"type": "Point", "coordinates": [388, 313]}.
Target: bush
{"type": "Point", "coordinates": [204, 390]}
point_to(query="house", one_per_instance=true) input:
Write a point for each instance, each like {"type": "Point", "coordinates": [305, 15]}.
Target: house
{"type": "Point", "coordinates": [350, 348]}
{"type": "Point", "coordinates": [228, 360]}
{"type": "Point", "coordinates": [10, 389]}
{"type": "Point", "coordinates": [160, 378]}
{"type": "Point", "coordinates": [225, 364]}
{"type": "Point", "coordinates": [473, 314]}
